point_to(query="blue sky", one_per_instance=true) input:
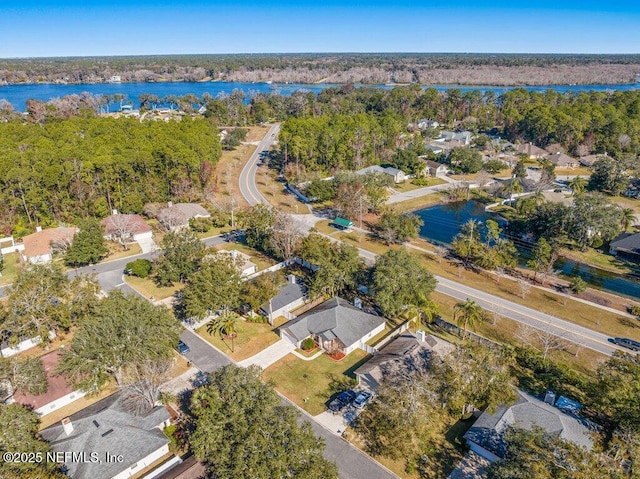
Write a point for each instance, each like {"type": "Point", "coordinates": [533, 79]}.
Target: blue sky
{"type": "Point", "coordinates": [95, 27]}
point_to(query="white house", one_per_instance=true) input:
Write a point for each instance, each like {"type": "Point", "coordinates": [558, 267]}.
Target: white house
{"type": "Point", "coordinates": [176, 216]}
{"type": "Point", "coordinates": [433, 168]}
{"type": "Point", "coordinates": [108, 428]}
{"type": "Point", "coordinates": [127, 227]}
{"type": "Point", "coordinates": [290, 297]}
{"type": "Point", "coordinates": [425, 124]}
{"type": "Point", "coordinates": [40, 246]}
{"type": "Point", "coordinates": [245, 266]}
{"type": "Point", "coordinates": [334, 325]}
{"type": "Point", "coordinates": [59, 393]}
{"type": "Point", "coordinates": [398, 175]}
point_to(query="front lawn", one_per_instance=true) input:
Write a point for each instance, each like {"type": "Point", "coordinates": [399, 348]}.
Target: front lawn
{"type": "Point", "coordinates": [147, 288]}
{"type": "Point", "coordinates": [10, 268]}
{"type": "Point", "coordinates": [307, 383]}
{"type": "Point", "coordinates": [251, 339]}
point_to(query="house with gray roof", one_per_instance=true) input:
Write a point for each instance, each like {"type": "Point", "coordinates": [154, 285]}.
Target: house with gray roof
{"type": "Point", "coordinates": [398, 175]}
{"type": "Point", "coordinates": [626, 245]}
{"type": "Point", "coordinates": [176, 216]}
{"type": "Point", "coordinates": [532, 151]}
{"type": "Point", "coordinates": [406, 352]}
{"type": "Point", "coordinates": [562, 161]}
{"type": "Point", "coordinates": [109, 428]}
{"type": "Point", "coordinates": [486, 436]}
{"type": "Point", "coordinates": [290, 297]}
{"type": "Point", "coordinates": [461, 138]}
{"type": "Point", "coordinates": [334, 325]}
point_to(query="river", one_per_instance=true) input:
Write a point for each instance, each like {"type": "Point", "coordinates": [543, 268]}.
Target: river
{"type": "Point", "coordinates": [441, 224]}
{"type": "Point", "coordinates": [18, 95]}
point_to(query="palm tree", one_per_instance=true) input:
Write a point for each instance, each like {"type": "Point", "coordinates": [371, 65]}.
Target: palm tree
{"type": "Point", "coordinates": [578, 185]}
{"type": "Point", "coordinates": [513, 188]}
{"type": "Point", "coordinates": [224, 325]}
{"type": "Point", "coordinates": [467, 314]}
{"type": "Point", "coordinates": [628, 218]}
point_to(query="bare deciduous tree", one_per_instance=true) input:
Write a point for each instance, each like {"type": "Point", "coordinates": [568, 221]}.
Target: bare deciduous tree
{"type": "Point", "coordinates": [121, 228]}
{"type": "Point", "coordinates": [141, 384]}
{"type": "Point", "coordinates": [286, 235]}
{"type": "Point", "coordinates": [524, 287]}
{"type": "Point", "coordinates": [541, 338]}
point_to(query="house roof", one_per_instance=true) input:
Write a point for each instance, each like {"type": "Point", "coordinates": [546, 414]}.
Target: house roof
{"type": "Point", "coordinates": [527, 411]}
{"type": "Point", "coordinates": [452, 135]}
{"type": "Point", "coordinates": [244, 260]}
{"type": "Point", "coordinates": [406, 352]}
{"type": "Point", "coordinates": [433, 164]}
{"type": "Point", "coordinates": [293, 291]}
{"type": "Point", "coordinates": [629, 242]}
{"type": "Point", "coordinates": [190, 468]}
{"type": "Point", "coordinates": [553, 197]}
{"type": "Point", "coordinates": [334, 317]}
{"type": "Point", "coordinates": [57, 386]}
{"type": "Point", "coordinates": [390, 170]}
{"type": "Point", "coordinates": [589, 160]}
{"type": "Point", "coordinates": [180, 213]}
{"type": "Point", "coordinates": [345, 223]}
{"type": "Point", "coordinates": [133, 224]}
{"type": "Point", "coordinates": [39, 243]}
{"type": "Point", "coordinates": [560, 159]}
{"type": "Point", "coordinates": [531, 149]}
{"type": "Point", "coordinates": [434, 148]}
{"type": "Point", "coordinates": [105, 427]}
{"type": "Point", "coordinates": [371, 169]}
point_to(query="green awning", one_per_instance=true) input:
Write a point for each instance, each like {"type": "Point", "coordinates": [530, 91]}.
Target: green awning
{"type": "Point", "coordinates": [343, 223]}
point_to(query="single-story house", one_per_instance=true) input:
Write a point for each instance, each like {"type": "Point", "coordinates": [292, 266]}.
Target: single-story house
{"type": "Point", "coordinates": [109, 428]}
{"type": "Point", "coordinates": [461, 137]}
{"type": "Point", "coordinates": [40, 246]}
{"type": "Point", "coordinates": [177, 216]}
{"type": "Point", "coordinates": [590, 160]}
{"type": "Point", "coordinates": [291, 296]}
{"type": "Point", "coordinates": [561, 160]}
{"type": "Point", "coordinates": [59, 393]}
{"type": "Point", "coordinates": [532, 151]}
{"type": "Point", "coordinates": [334, 325]}
{"type": "Point", "coordinates": [486, 436]}
{"type": "Point", "coordinates": [126, 227]}
{"type": "Point", "coordinates": [406, 352]}
{"type": "Point", "coordinates": [434, 148]}
{"type": "Point", "coordinates": [398, 175]}
{"type": "Point", "coordinates": [245, 266]}
{"type": "Point", "coordinates": [626, 245]}
{"type": "Point", "coordinates": [553, 197]}
{"type": "Point", "coordinates": [425, 124]}
{"type": "Point", "coordinates": [433, 168]}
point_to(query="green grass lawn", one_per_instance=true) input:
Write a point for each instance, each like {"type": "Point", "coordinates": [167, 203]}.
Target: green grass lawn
{"type": "Point", "coordinates": [251, 339]}
{"type": "Point", "coordinates": [418, 203]}
{"type": "Point", "coordinates": [307, 383]}
{"type": "Point", "coordinates": [147, 288]}
{"type": "Point", "coordinates": [380, 336]}
{"type": "Point", "coordinates": [324, 227]}
{"type": "Point", "coordinates": [10, 268]}
{"type": "Point", "coordinates": [261, 260]}
{"type": "Point", "coordinates": [600, 259]}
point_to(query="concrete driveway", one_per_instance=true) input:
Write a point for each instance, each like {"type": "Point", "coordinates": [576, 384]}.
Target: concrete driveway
{"type": "Point", "coordinates": [202, 355]}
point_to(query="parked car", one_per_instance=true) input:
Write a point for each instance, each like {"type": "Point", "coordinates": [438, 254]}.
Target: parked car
{"type": "Point", "coordinates": [626, 343]}
{"type": "Point", "coordinates": [182, 348]}
{"type": "Point", "coordinates": [362, 399]}
{"type": "Point", "coordinates": [342, 400]}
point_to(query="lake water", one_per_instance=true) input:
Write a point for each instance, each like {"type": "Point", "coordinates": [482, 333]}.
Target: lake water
{"type": "Point", "coordinates": [18, 95]}
{"type": "Point", "coordinates": [441, 224]}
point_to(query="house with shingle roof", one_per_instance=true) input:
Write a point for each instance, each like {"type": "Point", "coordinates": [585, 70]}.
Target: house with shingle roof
{"type": "Point", "coordinates": [289, 297]}
{"type": "Point", "coordinates": [40, 246]}
{"type": "Point", "coordinates": [532, 151]}
{"type": "Point", "coordinates": [486, 436]}
{"type": "Point", "coordinates": [176, 216]}
{"type": "Point", "coordinates": [626, 245]}
{"type": "Point", "coordinates": [406, 352]}
{"type": "Point", "coordinates": [107, 427]}
{"type": "Point", "coordinates": [59, 393]}
{"type": "Point", "coordinates": [561, 160]}
{"type": "Point", "coordinates": [398, 175]}
{"type": "Point", "coordinates": [334, 325]}
{"type": "Point", "coordinates": [125, 227]}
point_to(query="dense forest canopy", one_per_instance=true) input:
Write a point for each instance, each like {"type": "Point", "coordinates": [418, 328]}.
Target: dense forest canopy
{"type": "Point", "coordinates": [430, 69]}
{"type": "Point", "coordinates": [63, 170]}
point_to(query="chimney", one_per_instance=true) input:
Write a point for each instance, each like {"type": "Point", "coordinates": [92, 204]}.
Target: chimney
{"type": "Point", "coordinates": [292, 279]}
{"type": "Point", "coordinates": [421, 335]}
{"type": "Point", "coordinates": [67, 426]}
{"type": "Point", "coordinates": [170, 204]}
{"type": "Point", "coordinates": [114, 212]}
{"type": "Point", "coordinates": [38, 229]}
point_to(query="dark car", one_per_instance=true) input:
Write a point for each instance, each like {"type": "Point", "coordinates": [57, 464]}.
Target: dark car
{"type": "Point", "coordinates": [627, 343]}
{"type": "Point", "coordinates": [362, 399]}
{"type": "Point", "coordinates": [342, 400]}
{"type": "Point", "coordinates": [182, 348]}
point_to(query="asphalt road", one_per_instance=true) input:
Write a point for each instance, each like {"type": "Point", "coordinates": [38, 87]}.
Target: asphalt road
{"type": "Point", "coordinates": [201, 354]}
{"type": "Point", "coordinates": [247, 180]}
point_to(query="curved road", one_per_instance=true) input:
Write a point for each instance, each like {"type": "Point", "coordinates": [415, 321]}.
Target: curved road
{"type": "Point", "coordinates": [579, 335]}
{"type": "Point", "coordinates": [247, 180]}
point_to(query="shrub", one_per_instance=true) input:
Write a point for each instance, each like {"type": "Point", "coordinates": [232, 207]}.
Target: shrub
{"type": "Point", "coordinates": [308, 344]}
{"type": "Point", "coordinates": [421, 181]}
{"type": "Point", "coordinates": [140, 268]}
{"type": "Point", "coordinates": [635, 310]}
{"type": "Point", "coordinates": [200, 225]}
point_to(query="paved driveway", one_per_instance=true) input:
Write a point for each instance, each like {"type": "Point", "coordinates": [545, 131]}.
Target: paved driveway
{"type": "Point", "coordinates": [202, 355]}
{"type": "Point", "coordinates": [270, 355]}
